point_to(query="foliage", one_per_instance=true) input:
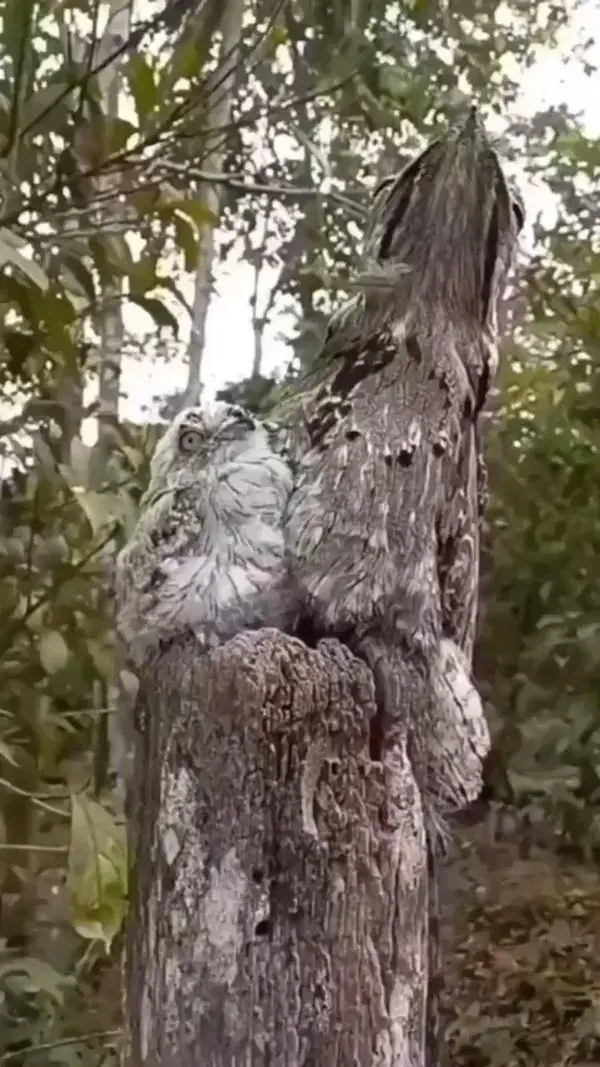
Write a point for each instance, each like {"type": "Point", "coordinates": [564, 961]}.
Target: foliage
{"type": "Point", "coordinates": [541, 633]}
{"type": "Point", "coordinates": [58, 684]}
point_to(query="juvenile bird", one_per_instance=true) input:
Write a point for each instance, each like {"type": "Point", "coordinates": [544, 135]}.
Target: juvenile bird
{"type": "Point", "coordinates": [207, 554]}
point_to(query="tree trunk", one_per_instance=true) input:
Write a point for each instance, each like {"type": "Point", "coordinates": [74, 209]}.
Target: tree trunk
{"type": "Point", "coordinates": [111, 329]}
{"type": "Point", "coordinates": [218, 118]}
{"type": "Point", "coordinates": [278, 905]}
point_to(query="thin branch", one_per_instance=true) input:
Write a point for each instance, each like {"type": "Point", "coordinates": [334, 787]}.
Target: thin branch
{"type": "Point", "coordinates": [238, 183]}
{"type": "Point", "coordinates": [11, 788]}
{"type": "Point", "coordinates": [271, 111]}
{"type": "Point", "coordinates": [83, 1039]}
{"type": "Point", "coordinates": [6, 847]}
{"type": "Point", "coordinates": [189, 104]}
{"type": "Point", "coordinates": [19, 75]}
{"type": "Point", "coordinates": [132, 43]}
{"type": "Point", "coordinates": [130, 157]}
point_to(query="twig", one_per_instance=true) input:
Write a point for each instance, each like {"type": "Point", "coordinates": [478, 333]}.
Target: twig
{"type": "Point", "coordinates": [34, 800]}
{"type": "Point", "coordinates": [62, 1043]}
{"type": "Point", "coordinates": [47, 595]}
{"type": "Point", "coordinates": [236, 181]}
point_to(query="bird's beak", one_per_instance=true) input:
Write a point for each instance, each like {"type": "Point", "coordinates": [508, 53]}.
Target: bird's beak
{"type": "Point", "coordinates": [470, 137]}
{"type": "Point", "coordinates": [472, 126]}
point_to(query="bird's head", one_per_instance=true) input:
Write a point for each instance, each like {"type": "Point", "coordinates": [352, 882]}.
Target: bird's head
{"type": "Point", "coordinates": [449, 222]}
{"type": "Point", "coordinates": [197, 440]}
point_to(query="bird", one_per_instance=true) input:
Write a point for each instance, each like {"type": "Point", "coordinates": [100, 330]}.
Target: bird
{"type": "Point", "coordinates": [207, 555]}
{"type": "Point", "coordinates": [409, 367]}
{"type": "Point", "coordinates": [382, 527]}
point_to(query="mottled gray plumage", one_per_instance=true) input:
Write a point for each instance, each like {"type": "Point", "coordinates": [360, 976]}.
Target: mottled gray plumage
{"type": "Point", "coordinates": [460, 738]}
{"type": "Point", "coordinates": [207, 553]}
{"type": "Point", "coordinates": [383, 524]}
{"type": "Point", "coordinates": [390, 469]}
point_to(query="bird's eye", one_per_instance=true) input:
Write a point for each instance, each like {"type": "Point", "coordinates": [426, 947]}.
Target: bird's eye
{"type": "Point", "coordinates": [382, 184]}
{"type": "Point", "coordinates": [190, 440]}
{"type": "Point", "coordinates": [238, 418]}
{"type": "Point", "coordinates": [518, 211]}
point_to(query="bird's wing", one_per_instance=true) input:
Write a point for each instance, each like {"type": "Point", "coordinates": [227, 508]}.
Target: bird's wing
{"type": "Point", "coordinates": [458, 545]}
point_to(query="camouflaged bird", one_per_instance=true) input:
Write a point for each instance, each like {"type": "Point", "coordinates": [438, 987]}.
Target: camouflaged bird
{"type": "Point", "coordinates": [207, 554]}
{"type": "Point", "coordinates": [382, 528]}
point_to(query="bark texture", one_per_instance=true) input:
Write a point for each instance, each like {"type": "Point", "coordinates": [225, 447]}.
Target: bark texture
{"type": "Point", "coordinates": [279, 899]}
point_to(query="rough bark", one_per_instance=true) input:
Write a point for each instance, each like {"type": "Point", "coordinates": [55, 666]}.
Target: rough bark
{"type": "Point", "coordinates": [281, 878]}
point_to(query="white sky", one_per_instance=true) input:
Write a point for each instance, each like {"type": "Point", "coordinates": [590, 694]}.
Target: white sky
{"type": "Point", "coordinates": [556, 78]}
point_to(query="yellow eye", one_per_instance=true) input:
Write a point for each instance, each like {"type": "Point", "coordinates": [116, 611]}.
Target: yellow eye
{"type": "Point", "coordinates": [190, 440]}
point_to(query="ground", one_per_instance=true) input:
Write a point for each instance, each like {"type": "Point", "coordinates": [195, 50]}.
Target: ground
{"type": "Point", "coordinates": [523, 960]}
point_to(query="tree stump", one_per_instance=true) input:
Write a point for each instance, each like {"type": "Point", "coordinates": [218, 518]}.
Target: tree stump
{"type": "Point", "coordinates": [279, 883]}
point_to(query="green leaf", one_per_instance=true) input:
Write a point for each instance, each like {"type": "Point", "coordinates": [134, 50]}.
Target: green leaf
{"type": "Point", "coordinates": [185, 238]}
{"type": "Point", "coordinates": [97, 871]}
{"type": "Point", "coordinates": [185, 64]}
{"type": "Point", "coordinates": [143, 87]}
{"type": "Point", "coordinates": [117, 133]}
{"type": "Point", "coordinates": [54, 652]}
{"type": "Point", "coordinates": [47, 461]}
{"type": "Point", "coordinates": [112, 257]}
{"type": "Point", "coordinates": [142, 276]}
{"type": "Point", "coordinates": [97, 508]}
{"type": "Point", "coordinates": [278, 36]}
{"type": "Point", "coordinates": [157, 310]}
{"type": "Point", "coordinates": [6, 753]}
{"type": "Point", "coordinates": [119, 252]}
{"type": "Point", "coordinates": [75, 268]}
{"type": "Point", "coordinates": [20, 346]}
{"type": "Point", "coordinates": [17, 18]}
{"type": "Point", "coordinates": [37, 976]}
{"type": "Point", "coordinates": [11, 254]}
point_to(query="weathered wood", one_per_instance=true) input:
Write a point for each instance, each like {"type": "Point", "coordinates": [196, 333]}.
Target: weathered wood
{"type": "Point", "coordinates": [278, 911]}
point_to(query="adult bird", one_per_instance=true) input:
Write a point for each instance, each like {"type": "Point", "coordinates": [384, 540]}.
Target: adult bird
{"type": "Point", "coordinates": [383, 524]}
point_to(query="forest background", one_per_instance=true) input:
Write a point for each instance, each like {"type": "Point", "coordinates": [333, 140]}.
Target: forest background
{"type": "Point", "coordinates": [144, 153]}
